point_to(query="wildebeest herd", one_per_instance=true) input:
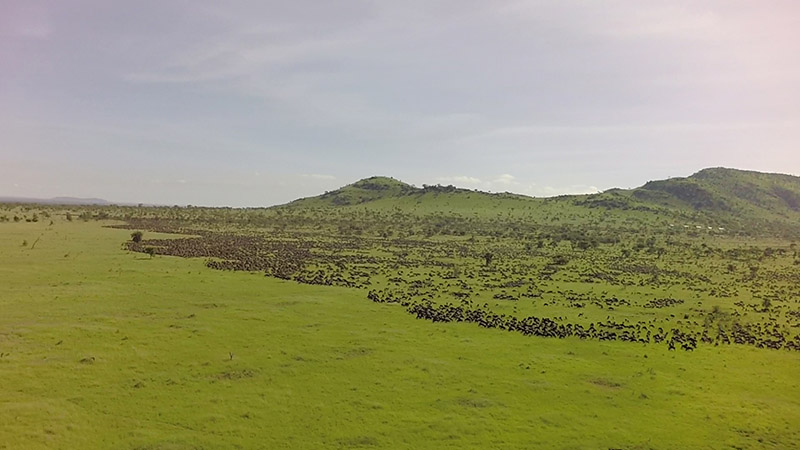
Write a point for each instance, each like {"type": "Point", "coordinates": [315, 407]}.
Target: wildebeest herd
{"type": "Point", "coordinates": [681, 295]}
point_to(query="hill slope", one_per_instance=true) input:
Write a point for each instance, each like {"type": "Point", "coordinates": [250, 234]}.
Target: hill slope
{"type": "Point", "coordinates": [728, 191]}
{"type": "Point", "coordinates": [362, 191]}
{"type": "Point", "coordinates": [378, 192]}
{"type": "Point", "coordinates": [739, 199]}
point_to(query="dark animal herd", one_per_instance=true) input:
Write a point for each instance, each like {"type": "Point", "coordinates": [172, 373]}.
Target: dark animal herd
{"type": "Point", "coordinates": [609, 330]}
{"type": "Point", "coordinates": [343, 262]}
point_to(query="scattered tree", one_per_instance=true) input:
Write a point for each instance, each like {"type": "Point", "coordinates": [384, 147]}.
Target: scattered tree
{"type": "Point", "coordinates": [136, 236]}
{"type": "Point", "coordinates": [488, 257]}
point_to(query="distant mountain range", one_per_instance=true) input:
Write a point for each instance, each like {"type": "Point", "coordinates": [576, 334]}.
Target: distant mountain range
{"type": "Point", "coordinates": [58, 201]}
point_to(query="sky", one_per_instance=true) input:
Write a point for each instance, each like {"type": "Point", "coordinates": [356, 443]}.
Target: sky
{"type": "Point", "coordinates": [255, 103]}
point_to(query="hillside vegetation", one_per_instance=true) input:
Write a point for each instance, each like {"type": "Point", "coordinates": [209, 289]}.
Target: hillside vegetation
{"type": "Point", "coordinates": [728, 193]}
{"type": "Point", "coordinates": [745, 202]}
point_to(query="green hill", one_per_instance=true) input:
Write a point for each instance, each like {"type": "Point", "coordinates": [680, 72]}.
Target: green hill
{"type": "Point", "coordinates": [741, 199]}
{"type": "Point", "coordinates": [385, 192]}
{"type": "Point", "coordinates": [745, 201]}
{"type": "Point", "coordinates": [728, 191]}
{"type": "Point", "coordinates": [363, 191]}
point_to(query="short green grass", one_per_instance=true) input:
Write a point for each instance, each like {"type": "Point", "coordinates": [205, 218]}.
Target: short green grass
{"type": "Point", "coordinates": [102, 348]}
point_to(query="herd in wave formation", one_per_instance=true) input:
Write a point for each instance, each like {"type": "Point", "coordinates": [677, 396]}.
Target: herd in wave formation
{"type": "Point", "coordinates": [609, 330]}
{"type": "Point", "coordinates": [385, 268]}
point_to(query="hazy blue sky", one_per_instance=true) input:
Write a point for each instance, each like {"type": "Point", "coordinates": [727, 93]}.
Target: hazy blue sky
{"type": "Point", "coordinates": [248, 103]}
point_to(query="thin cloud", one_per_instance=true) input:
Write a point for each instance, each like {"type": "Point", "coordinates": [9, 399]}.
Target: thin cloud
{"type": "Point", "coordinates": [461, 180]}
{"type": "Point", "coordinates": [505, 179]}
{"type": "Point", "coordinates": [317, 176]}
{"type": "Point", "coordinates": [510, 183]}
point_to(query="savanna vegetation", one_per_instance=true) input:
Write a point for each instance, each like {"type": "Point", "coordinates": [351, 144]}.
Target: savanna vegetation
{"type": "Point", "coordinates": [381, 315]}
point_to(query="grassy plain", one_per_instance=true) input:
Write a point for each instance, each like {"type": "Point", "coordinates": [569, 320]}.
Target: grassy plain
{"type": "Point", "coordinates": [105, 348]}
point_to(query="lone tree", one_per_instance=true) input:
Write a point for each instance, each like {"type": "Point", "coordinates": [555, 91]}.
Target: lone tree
{"type": "Point", "coordinates": [136, 236]}
{"type": "Point", "coordinates": [488, 257]}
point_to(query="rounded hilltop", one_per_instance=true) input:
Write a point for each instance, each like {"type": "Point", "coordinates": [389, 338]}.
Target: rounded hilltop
{"type": "Point", "coordinates": [381, 183]}
{"type": "Point", "coordinates": [362, 191]}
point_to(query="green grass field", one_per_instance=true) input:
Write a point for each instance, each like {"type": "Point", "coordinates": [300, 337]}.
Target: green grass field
{"type": "Point", "coordinates": [105, 348]}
